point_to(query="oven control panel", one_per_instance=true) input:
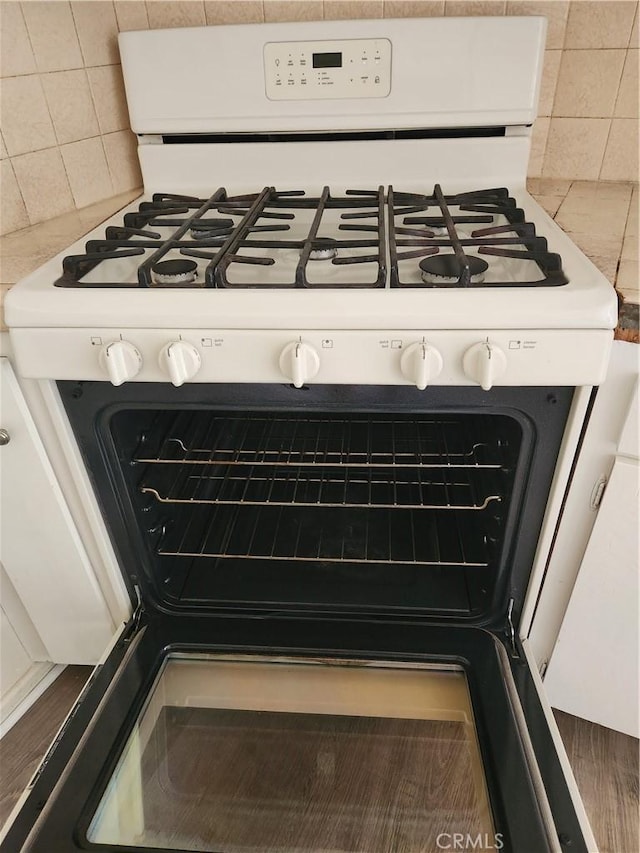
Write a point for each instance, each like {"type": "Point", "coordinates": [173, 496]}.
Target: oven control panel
{"type": "Point", "coordinates": [312, 70]}
{"type": "Point", "coordinates": [421, 358]}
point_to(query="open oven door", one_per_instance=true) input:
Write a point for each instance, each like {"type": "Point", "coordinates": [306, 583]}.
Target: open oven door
{"type": "Point", "coordinates": [299, 734]}
{"type": "Point", "coordinates": [325, 653]}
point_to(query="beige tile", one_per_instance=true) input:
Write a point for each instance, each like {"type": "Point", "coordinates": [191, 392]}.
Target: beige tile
{"type": "Point", "coordinates": [548, 186]}
{"type": "Point", "coordinates": [97, 30]}
{"type": "Point", "coordinates": [38, 239]}
{"type": "Point", "coordinates": [26, 124]}
{"type": "Point", "coordinates": [621, 156]}
{"type": "Point", "coordinates": [107, 88]}
{"type": "Point", "coordinates": [13, 213]}
{"type": "Point", "coordinates": [3, 148]}
{"type": "Point", "coordinates": [628, 280]}
{"type": "Point", "coordinates": [71, 105]}
{"type": "Point", "coordinates": [348, 9]}
{"type": "Point", "coordinates": [575, 147]}
{"type": "Point", "coordinates": [630, 248]}
{"type": "Point", "coordinates": [122, 158]}
{"type": "Point", "coordinates": [413, 8]}
{"type": "Point", "coordinates": [474, 7]}
{"type": "Point", "coordinates": [12, 269]}
{"type": "Point", "coordinates": [555, 11]}
{"type": "Point", "coordinates": [538, 146]}
{"type": "Point", "coordinates": [240, 12]}
{"type": "Point", "coordinates": [594, 243]}
{"type": "Point", "coordinates": [16, 55]}
{"type": "Point", "coordinates": [550, 203]}
{"type": "Point", "coordinates": [599, 192]}
{"type": "Point", "coordinates": [87, 171]}
{"type": "Point", "coordinates": [634, 41]}
{"type": "Point", "coordinates": [599, 211]}
{"type": "Point", "coordinates": [167, 13]}
{"type": "Point", "coordinates": [608, 266]}
{"type": "Point", "coordinates": [44, 185]}
{"type": "Point", "coordinates": [588, 83]}
{"type": "Point", "coordinates": [96, 213]}
{"type": "Point", "coordinates": [293, 10]}
{"type": "Point", "coordinates": [627, 103]}
{"type": "Point", "coordinates": [53, 35]}
{"type": "Point", "coordinates": [599, 23]}
{"type": "Point", "coordinates": [631, 229]}
{"type": "Point", "coordinates": [131, 15]}
{"type": "Point", "coordinates": [549, 81]}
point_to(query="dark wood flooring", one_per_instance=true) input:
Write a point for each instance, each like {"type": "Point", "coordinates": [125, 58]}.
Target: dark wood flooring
{"type": "Point", "coordinates": [605, 763]}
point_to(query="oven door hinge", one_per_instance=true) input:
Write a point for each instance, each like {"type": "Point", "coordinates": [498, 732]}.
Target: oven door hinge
{"type": "Point", "coordinates": [511, 631]}
{"type": "Point", "coordinates": [136, 618]}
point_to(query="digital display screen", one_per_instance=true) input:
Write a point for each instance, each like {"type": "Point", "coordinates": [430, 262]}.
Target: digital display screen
{"type": "Point", "coordinates": [327, 60]}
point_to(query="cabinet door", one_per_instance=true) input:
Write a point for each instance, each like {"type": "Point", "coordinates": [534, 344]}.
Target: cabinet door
{"type": "Point", "coordinates": [39, 545]}
{"type": "Point", "coordinates": [593, 672]}
{"type": "Point", "coordinates": [14, 659]}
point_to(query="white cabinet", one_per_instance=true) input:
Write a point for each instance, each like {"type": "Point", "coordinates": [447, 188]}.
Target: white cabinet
{"type": "Point", "coordinates": [593, 671]}
{"type": "Point", "coordinates": [40, 548]}
{"type": "Point", "coordinates": [14, 658]}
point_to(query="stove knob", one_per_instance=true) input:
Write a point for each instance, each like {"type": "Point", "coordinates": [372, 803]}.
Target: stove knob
{"type": "Point", "coordinates": [484, 363]}
{"type": "Point", "coordinates": [181, 361]}
{"type": "Point", "coordinates": [299, 362]}
{"type": "Point", "coordinates": [420, 363]}
{"type": "Point", "coordinates": [121, 361]}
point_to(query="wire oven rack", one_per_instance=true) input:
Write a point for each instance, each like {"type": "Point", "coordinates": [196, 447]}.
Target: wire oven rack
{"type": "Point", "coordinates": [422, 491]}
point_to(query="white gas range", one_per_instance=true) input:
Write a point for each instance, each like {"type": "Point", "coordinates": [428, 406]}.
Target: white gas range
{"type": "Point", "coordinates": [328, 377]}
{"type": "Point", "coordinates": [315, 223]}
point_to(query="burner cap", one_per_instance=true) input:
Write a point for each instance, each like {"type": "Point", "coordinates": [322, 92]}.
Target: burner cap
{"type": "Point", "coordinates": [210, 228]}
{"type": "Point", "coordinates": [176, 271]}
{"type": "Point", "coordinates": [324, 248]}
{"type": "Point", "coordinates": [446, 269]}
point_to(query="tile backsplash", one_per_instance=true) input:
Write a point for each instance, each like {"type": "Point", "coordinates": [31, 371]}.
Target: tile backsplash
{"type": "Point", "coordinates": [66, 141]}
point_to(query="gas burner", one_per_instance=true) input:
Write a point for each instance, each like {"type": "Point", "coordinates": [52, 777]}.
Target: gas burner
{"type": "Point", "coordinates": [445, 269]}
{"type": "Point", "coordinates": [211, 228]}
{"type": "Point", "coordinates": [440, 231]}
{"type": "Point", "coordinates": [175, 271]}
{"type": "Point", "coordinates": [324, 249]}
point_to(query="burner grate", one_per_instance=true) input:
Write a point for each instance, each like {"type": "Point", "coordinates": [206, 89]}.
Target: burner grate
{"type": "Point", "coordinates": [243, 231]}
{"type": "Point", "coordinates": [423, 242]}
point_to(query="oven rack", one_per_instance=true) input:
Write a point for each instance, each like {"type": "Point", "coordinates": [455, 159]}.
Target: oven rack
{"type": "Point", "coordinates": [370, 442]}
{"type": "Point", "coordinates": [381, 488]}
{"type": "Point", "coordinates": [327, 535]}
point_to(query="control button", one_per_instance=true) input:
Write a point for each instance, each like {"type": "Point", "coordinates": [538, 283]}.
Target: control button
{"type": "Point", "coordinates": [121, 361]}
{"type": "Point", "coordinates": [484, 362]}
{"type": "Point", "coordinates": [299, 362]}
{"type": "Point", "coordinates": [420, 363]}
{"type": "Point", "coordinates": [376, 79]}
{"type": "Point", "coordinates": [181, 361]}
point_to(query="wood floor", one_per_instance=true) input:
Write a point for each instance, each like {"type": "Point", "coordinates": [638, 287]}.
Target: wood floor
{"type": "Point", "coordinates": [605, 763]}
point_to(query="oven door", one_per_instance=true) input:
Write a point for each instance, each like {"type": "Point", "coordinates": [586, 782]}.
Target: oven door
{"type": "Point", "coordinates": [304, 734]}
{"type": "Point", "coordinates": [321, 660]}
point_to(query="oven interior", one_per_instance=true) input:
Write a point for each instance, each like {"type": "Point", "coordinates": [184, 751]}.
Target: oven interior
{"type": "Point", "coordinates": [326, 511]}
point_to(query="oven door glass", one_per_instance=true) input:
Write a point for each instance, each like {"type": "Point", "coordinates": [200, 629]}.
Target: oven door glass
{"type": "Point", "coordinates": [257, 754]}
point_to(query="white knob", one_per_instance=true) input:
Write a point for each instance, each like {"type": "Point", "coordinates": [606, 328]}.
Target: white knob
{"type": "Point", "coordinates": [121, 361]}
{"type": "Point", "coordinates": [420, 363]}
{"type": "Point", "coordinates": [299, 362]}
{"type": "Point", "coordinates": [484, 363]}
{"type": "Point", "coordinates": [181, 361]}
